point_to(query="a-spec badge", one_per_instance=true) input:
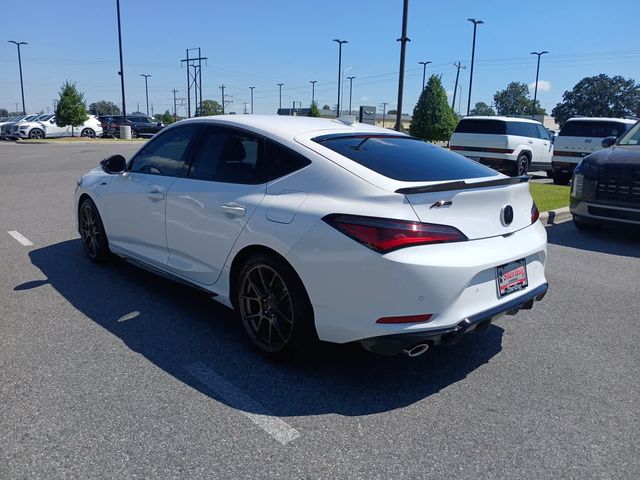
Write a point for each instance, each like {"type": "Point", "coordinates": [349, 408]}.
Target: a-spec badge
{"type": "Point", "coordinates": [441, 203]}
{"type": "Point", "coordinates": [506, 216]}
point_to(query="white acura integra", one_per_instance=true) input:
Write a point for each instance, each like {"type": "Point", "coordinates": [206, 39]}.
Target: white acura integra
{"type": "Point", "coordinates": [314, 228]}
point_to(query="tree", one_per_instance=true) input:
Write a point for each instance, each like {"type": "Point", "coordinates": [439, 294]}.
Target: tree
{"type": "Point", "coordinates": [210, 107]}
{"type": "Point", "coordinates": [71, 108]}
{"type": "Point", "coordinates": [104, 107]}
{"type": "Point", "coordinates": [313, 110]}
{"type": "Point", "coordinates": [392, 112]}
{"type": "Point", "coordinates": [166, 117]}
{"type": "Point", "coordinates": [433, 117]}
{"type": "Point", "coordinates": [326, 106]}
{"type": "Point", "coordinates": [4, 112]}
{"type": "Point", "coordinates": [599, 96]}
{"type": "Point", "coordinates": [482, 108]}
{"type": "Point", "coordinates": [514, 100]}
{"type": "Point", "coordinates": [137, 113]}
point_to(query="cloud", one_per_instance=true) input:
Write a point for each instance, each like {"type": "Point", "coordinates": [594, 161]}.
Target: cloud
{"type": "Point", "coordinates": [543, 85]}
{"type": "Point", "coordinates": [364, 99]}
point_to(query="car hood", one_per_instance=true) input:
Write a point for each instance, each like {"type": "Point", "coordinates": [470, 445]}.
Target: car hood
{"type": "Point", "coordinates": [616, 155]}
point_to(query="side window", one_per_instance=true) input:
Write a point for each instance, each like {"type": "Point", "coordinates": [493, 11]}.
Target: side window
{"type": "Point", "coordinates": [282, 161]}
{"type": "Point", "coordinates": [229, 156]}
{"type": "Point", "coordinates": [543, 132]}
{"type": "Point", "coordinates": [164, 155]}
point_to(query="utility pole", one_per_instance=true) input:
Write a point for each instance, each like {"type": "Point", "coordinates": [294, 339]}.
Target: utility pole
{"type": "Point", "coordinates": [313, 91]}
{"type": "Point", "coordinates": [175, 109]}
{"type": "Point", "coordinates": [339, 42]}
{"type": "Point", "coordinates": [473, 54]}
{"type": "Point", "coordinates": [245, 107]}
{"type": "Point", "coordinates": [403, 40]}
{"type": "Point", "coordinates": [455, 89]}
{"type": "Point", "coordinates": [350, 91]}
{"type": "Point", "coordinates": [146, 90]}
{"type": "Point", "coordinates": [121, 72]}
{"type": "Point", "coordinates": [280, 97]}
{"type": "Point", "coordinates": [194, 80]}
{"type": "Point", "coordinates": [535, 90]}
{"type": "Point", "coordinates": [424, 72]}
{"type": "Point", "coordinates": [251, 88]}
{"type": "Point", "coordinates": [384, 112]}
{"type": "Point", "coordinates": [221, 87]}
{"type": "Point", "coordinates": [17, 44]}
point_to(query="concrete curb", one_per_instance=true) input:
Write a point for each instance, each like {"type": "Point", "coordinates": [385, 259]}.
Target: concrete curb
{"type": "Point", "coordinates": [553, 217]}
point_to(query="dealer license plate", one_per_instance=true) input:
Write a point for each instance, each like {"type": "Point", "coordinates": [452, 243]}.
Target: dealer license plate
{"type": "Point", "coordinates": [512, 277]}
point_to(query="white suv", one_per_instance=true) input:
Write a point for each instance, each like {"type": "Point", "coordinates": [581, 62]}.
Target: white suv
{"type": "Point", "coordinates": [46, 128]}
{"type": "Point", "coordinates": [511, 145]}
{"type": "Point", "coordinates": [578, 138]}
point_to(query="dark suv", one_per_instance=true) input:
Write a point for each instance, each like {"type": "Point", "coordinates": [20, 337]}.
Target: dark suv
{"type": "Point", "coordinates": [606, 183]}
{"type": "Point", "coordinates": [141, 126]}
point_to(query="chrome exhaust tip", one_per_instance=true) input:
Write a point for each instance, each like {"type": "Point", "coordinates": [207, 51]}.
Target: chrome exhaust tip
{"type": "Point", "coordinates": [416, 350]}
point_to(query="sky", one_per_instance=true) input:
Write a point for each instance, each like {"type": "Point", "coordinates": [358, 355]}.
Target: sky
{"type": "Point", "coordinates": [261, 43]}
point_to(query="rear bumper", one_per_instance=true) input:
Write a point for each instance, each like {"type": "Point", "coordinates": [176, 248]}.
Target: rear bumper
{"type": "Point", "coordinates": [395, 344]}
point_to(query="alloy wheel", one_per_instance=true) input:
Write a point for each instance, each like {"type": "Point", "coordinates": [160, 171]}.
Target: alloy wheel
{"type": "Point", "coordinates": [89, 231]}
{"type": "Point", "coordinates": [266, 308]}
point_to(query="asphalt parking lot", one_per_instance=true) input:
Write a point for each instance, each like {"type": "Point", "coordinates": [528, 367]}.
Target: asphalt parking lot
{"type": "Point", "coordinates": [111, 372]}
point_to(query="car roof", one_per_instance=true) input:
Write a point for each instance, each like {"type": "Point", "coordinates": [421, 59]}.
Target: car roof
{"type": "Point", "coordinates": [501, 118]}
{"type": "Point", "coordinates": [289, 127]}
{"type": "Point", "coordinates": [602, 119]}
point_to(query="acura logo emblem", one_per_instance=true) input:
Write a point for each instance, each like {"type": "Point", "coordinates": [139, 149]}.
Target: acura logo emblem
{"type": "Point", "coordinates": [507, 215]}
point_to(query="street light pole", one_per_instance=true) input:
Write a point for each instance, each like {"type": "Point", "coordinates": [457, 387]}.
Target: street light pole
{"type": "Point", "coordinates": [340, 42]}
{"type": "Point", "coordinates": [455, 89]}
{"type": "Point", "coordinates": [121, 72]}
{"type": "Point", "coordinates": [424, 71]}
{"type": "Point", "coordinates": [473, 54]}
{"type": "Point", "coordinates": [535, 89]}
{"type": "Point", "coordinates": [403, 42]}
{"type": "Point", "coordinates": [17, 44]}
{"type": "Point", "coordinates": [146, 89]}
{"type": "Point", "coordinates": [350, 91]}
{"type": "Point", "coordinates": [251, 88]}
{"type": "Point", "coordinates": [313, 91]}
{"type": "Point", "coordinates": [280, 97]}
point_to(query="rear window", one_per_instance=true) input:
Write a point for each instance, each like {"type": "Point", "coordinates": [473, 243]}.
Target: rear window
{"type": "Point", "coordinates": [470, 125]}
{"type": "Point", "coordinates": [404, 158]}
{"type": "Point", "coordinates": [602, 129]}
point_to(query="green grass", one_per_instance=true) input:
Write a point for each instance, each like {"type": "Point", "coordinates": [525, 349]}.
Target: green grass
{"type": "Point", "coordinates": [549, 197]}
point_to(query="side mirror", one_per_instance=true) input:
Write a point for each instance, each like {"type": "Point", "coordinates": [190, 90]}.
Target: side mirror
{"type": "Point", "coordinates": [114, 164]}
{"type": "Point", "coordinates": [607, 142]}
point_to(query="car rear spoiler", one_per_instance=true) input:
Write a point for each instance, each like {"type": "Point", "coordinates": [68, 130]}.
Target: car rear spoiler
{"type": "Point", "coordinates": [462, 185]}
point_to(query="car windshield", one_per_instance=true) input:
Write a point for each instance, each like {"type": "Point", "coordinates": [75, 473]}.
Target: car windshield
{"type": "Point", "coordinates": [404, 158]}
{"type": "Point", "coordinates": [632, 137]}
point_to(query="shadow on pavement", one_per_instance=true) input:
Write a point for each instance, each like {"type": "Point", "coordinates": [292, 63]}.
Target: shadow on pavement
{"type": "Point", "coordinates": [612, 240]}
{"type": "Point", "coordinates": [175, 327]}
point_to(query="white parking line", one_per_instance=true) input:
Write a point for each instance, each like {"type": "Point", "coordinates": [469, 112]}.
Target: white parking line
{"type": "Point", "coordinates": [20, 238]}
{"type": "Point", "coordinates": [274, 426]}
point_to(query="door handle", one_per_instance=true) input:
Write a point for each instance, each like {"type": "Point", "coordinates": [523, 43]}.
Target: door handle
{"type": "Point", "coordinates": [234, 210]}
{"type": "Point", "coordinates": [155, 195]}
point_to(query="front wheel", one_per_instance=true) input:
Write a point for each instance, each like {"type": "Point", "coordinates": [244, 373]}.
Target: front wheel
{"type": "Point", "coordinates": [36, 134]}
{"type": "Point", "coordinates": [88, 132]}
{"type": "Point", "coordinates": [134, 133]}
{"type": "Point", "coordinates": [274, 307]}
{"type": "Point", "coordinates": [92, 233]}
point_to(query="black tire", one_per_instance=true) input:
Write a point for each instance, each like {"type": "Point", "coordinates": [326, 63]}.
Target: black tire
{"type": "Point", "coordinates": [36, 133]}
{"type": "Point", "coordinates": [134, 133]}
{"type": "Point", "coordinates": [549, 173]}
{"type": "Point", "coordinates": [88, 132]}
{"type": "Point", "coordinates": [521, 166]}
{"type": "Point", "coordinates": [585, 226]}
{"type": "Point", "coordinates": [274, 306]}
{"type": "Point", "coordinates": [561, 178]}
{"type": "Point", "coordinates": [92, 233]}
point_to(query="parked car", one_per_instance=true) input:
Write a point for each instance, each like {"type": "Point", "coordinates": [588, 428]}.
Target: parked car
{"type": "Point", "coordinates": [12, 130]}
{"type": "Point", "coordinates": [578, 138]}
{"type": "Point", "coordinates": [47, 128]}
{"type": "Point", "coordinates": [5, 128]}
{"type": "Point", "coordinates": [606, 184]}
{"type": "Point", "coordinates": [105, 122]}
{"type": "Point", "coordinates": [141, 126]}
{"type": "Point", "coordinates": [510, 145]}
{"type": "Point", "coordinates": [316, 228]}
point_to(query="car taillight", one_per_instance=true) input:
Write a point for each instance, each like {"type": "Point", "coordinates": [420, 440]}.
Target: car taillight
{"type": "Point", "coordinates": [385, 235]}
{"type": "Point", "coordinates": [535, 214]}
